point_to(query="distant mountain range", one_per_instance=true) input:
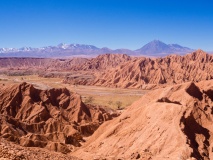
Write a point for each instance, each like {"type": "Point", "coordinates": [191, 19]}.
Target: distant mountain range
{"type": "Point", "coordinates": [153, 48]}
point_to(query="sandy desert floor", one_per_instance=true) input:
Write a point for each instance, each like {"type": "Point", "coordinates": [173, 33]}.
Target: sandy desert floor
{"type": "Point", "coordinates": [97, 95]}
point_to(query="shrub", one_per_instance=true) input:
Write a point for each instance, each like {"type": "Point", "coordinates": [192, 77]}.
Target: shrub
{"type": "Point", "coordinates": [109, 102]}
{"type": "Point", "coordinates": [118, 104]}
{"type": "Point", "coordinates": [90, 99]}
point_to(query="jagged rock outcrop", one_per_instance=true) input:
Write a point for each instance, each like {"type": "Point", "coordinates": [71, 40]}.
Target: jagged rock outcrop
{"type": "Point", "coordinates": [55, 119]}
{"type": "Point", "coordinates": [147, 73]}
{"type": "Point", "coordinates": [175, 122]}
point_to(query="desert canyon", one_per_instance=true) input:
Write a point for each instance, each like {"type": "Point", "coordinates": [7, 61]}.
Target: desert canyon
{"type": "Point", "coordinates": [171, 119]}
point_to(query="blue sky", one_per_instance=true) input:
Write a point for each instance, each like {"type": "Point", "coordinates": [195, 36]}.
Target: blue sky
{"type": "Point", "coordinates": [106, 23]}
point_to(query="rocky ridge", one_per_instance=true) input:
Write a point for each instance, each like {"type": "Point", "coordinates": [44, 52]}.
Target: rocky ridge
{"type": "Point", "coordinates": [147, 73]}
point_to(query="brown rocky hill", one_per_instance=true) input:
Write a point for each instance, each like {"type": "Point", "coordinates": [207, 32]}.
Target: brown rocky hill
{"type": "Point", "coordinates": [55, 119]}
{"type": "Point", "coordinates": [168, 123]}
{"type": "Point", "coordinates": [104, 61]}
{"type": "Point", "coordinates": [87, 71]}
{"type": "Point", "coordinates": [172, 69]}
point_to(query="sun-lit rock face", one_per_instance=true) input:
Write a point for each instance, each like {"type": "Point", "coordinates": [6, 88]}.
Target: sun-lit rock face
{"type": "Point", "coordinates": [169, 123]}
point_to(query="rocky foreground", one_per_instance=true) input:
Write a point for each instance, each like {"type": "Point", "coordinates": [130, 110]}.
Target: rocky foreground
{"type": "Point", "coordinates": [175, 122]}
{"type": "Point", "coordinates": [54, 119]}
{"type": "Point", "coordinates": [11, 151]}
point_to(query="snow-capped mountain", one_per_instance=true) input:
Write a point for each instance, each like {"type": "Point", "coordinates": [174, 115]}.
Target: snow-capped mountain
{"type": "Point", "coordinates": [75, 46]}
{"type": "Point", "coordinates": [61, 50]}
{"type": "Point", "coordinates": [69, 50]}
{"type": "Point", "coordinates": [2, 50]}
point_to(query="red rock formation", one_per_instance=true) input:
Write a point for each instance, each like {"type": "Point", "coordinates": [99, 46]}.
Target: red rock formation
{"type": "Point", "coordinates": [105, 61]}
{"type": "Point", "coordinates": [55, 119]}
{"type": "Point", "coordinates": [168, 123]}
{"type": "Point", "coordinates": [172, 69]}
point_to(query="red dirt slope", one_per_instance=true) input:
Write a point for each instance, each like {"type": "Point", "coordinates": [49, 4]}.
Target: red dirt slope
{"type": "Point", "coordinates": [169, 123]}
